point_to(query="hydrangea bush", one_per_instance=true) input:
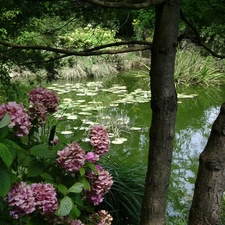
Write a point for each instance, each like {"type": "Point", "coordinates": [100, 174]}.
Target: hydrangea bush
{"type": "Point", "coordinates": [46, 180]}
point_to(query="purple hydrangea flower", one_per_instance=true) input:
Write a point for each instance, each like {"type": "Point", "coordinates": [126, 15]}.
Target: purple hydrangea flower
{"type": "Point", "coordinates": [100, 184]}
{"type": "Point", "coordinates": [99, 139]}
{"type": "Point", "coordinates": [92, 157]}
{"type": "Point", "coordinates": [21, 199]}
{"type": "Point", "coordinates": [63, 220]}
{"type": "Point", "coordinates": [101, 218]}
{"type": "Point", "coordinates": [42, 102]}
{"type": "Point", "coordinates": [74, 222]}
{"type": "Point", "coordinates": [38, 112]}
{"type": "Point", "coordinates": [18, 117]}
{"type": "Point", "coordinates": [71, 158]}
{"type": "Point", "coordinates": [46, 97]}
{"type": "Point", "coordinates": [45, 198]}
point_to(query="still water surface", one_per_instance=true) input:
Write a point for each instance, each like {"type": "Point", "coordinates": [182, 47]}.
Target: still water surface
{"type": "Point", "coordinates": [194, 120]}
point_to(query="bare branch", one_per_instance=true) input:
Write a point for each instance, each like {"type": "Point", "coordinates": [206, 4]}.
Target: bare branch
{"type": "Point", "coordinates": [119, 44]}
{"type": "Point", "coordinates": [108, 4]}
{"type": "Point", "coordinates": [198, 37]}
{"type": "Point", "coordinates": [88, 52]}
{"type": "Point", "coordinates": [106, 52]}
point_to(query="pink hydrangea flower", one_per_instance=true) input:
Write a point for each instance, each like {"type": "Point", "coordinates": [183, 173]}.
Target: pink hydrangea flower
{"type": "Point", "coordinates": [92, 157]}
{"type": "Point", "coordinates": [45, 198]}
{"type": "Point", "coordinates": [18, 117]}
{"type": "Point", "coordinates": [101, 218]}
{"type": "Point", "coordinates": [42, 102]}
{"type": "Point", "coordinates": [71, 158]}
{"type": "Point", "coordinates": [21, 199]}
{"type": "Point", "coordinates": [99, 139]}
{"type": "Point", "coordinates": [100, 185]}
{"type": "Point", "coordinates": [38, 113]}
{"type": "Point", "coordinates": [46, 97]}
{"type": "Point", "coordinates": [74, 222]}
{"type": "Point", "coordinates": [63, 220]}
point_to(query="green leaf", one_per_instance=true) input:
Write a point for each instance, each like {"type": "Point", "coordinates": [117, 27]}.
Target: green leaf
{"type": "Point", "coordinates": [25, 161]}
{"type": "Point", "coordinates": [92, 166]}
{"type": "Point", "coordinates": [47, 177]}
{"type": "Point", "coordinates": [6, 155]}
{"type": "Point", "coordinates": [78, 200]}
{"type": "Point", "coordinates": [5, 121]}
{"type": "Point", "coordinates": [62, 188]}
{"type": "Point", "coordinates": [85, 183]}
{"type": "Point", "coordinates": [11, 144]}
{"type": "Point", "coordinates": [65, 206]}
{"type": "Point", "coordinates": [90, 208]}
{"type": "Point", "coordinates": [5, 183]}
{"type": "Point", "coordinates": [82, 171]}
{"type": "Point", "coordinates": [42, 151]}
{"type": "Point", "coordinates": [3, 132]}
{"type": "Point", "coordinates": [76, 188]}
{"type": "Point", "coordinates": [74, 213]}
{"type": "Point", "coordinates": [35, 169]}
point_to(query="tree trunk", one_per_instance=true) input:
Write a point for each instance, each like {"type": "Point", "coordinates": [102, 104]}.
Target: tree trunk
{"type": "Point", "coordinates": [210, 182]}
{"type": "Point", "coordinates": [164, 107]}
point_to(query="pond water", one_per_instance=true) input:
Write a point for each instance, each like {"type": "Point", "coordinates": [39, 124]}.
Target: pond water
{"type": "Point", "coordinates": [122, 103]}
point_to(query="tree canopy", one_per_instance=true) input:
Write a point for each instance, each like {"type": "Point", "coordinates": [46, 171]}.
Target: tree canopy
{"type": "Point", "coordinates": [37, 30]}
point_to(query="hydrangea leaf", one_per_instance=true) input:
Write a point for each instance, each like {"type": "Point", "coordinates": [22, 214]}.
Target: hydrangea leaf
{"type": "Point", "coordinates": [62, 188]}
{"type": "Point", "coordinates": [6, 155]}
{"type": "Point", "coordinates": [3, 132]}
{"type": "Point", "coordinates": [78, 200]}
{"type": "Point", "coordinates": [47, 177]}
{"type": "Point", "coordinates": [76, 188]}
{"type": "Point", "coordinates": [13, 145]}
{"type": "Point", "coordinates": [85, 183]}
{"type": "Point", "coordinates": [74, 213]}
{"type": "Point", "coordinates": [65, 206]}
{"type": "Point", "coordinates": [5, 121]}
{"type": "Point", "coordinates": [35, 169]}
{"type": "Point", "coordinates": [82, 171]}
{"type": "Point", "coordinates": [5, 183]}
{"type": "Point", "coordinates": [42, 151]}
{"type": "Point", "coordinates": [92, 166]}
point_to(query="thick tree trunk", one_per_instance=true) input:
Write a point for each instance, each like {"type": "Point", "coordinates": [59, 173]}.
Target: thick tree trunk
{"type": "Point", "coordinates": [210, 182]}
{"type": "Point", "coordinates": [164, 107]}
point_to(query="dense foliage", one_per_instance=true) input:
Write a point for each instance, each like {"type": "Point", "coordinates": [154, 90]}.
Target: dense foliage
{"type": "Point", "coordinates": [77, 26]}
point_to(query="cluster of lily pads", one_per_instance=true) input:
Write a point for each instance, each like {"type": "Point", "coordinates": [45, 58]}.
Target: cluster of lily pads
{"type": "Point", "coordinates": [81, 101]}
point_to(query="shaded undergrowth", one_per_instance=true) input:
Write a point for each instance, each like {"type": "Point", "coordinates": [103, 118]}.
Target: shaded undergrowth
{"type": "Point", "coordinates": [125, 197]}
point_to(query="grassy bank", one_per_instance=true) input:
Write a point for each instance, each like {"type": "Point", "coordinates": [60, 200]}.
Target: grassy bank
{"type": "Point", "coordinates": [191, 68]}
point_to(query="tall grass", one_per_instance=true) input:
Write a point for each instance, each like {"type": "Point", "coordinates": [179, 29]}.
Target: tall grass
{"type": "Point", "coordinates": [83, 67]}
{"type": "Point", "coordinates": [125, 197]}
{"type": "Point", "coordinates": [193, 69]}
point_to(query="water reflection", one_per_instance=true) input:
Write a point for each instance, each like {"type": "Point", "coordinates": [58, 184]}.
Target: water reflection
{"type": "Point", "coordinates": [194, 121]}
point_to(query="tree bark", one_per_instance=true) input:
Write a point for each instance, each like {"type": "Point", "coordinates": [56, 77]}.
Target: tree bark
{"type": "Point", "coordinates": [164, 107]}
{"type": "Point", "coordinates": [210, 182]}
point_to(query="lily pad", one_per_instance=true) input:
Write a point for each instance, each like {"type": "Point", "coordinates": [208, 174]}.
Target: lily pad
{"type": "Point", "coordinates": [135, 128]}
{"type": "Point", "coordinates": [66, 132]}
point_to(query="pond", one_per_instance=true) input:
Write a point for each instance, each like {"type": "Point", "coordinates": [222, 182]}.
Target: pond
{"type": "Point", "coordinates": [121, 103]}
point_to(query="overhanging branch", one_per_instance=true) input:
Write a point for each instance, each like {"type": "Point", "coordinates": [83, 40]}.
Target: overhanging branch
{"type": "Point", "coordinates": [106, 52]}
{"type": "Point", "coordinates": [99, 50]}
{"type": "Point", "coordinates": [141, 5]}
{"type": "Point", "coordinates": [198, 37]}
